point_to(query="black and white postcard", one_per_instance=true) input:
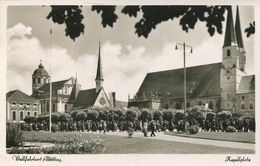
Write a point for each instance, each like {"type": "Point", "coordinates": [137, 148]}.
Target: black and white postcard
{"type": "Point", "coordinates": [129, 83]}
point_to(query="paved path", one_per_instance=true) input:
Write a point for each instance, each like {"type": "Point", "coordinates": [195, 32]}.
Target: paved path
{"type": "Point", "coordinates": [38, 144]}
{"type": "Point", "coordinates": [161, 136]}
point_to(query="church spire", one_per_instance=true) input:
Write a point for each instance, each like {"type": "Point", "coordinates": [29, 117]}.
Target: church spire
{"type": "Point", "coordinates": [238, 32]}
{"type": "Point", "coordinates": [75, 91]}
{"type": "Point", "coordinates": [230, 36]}
{"type": "Point", "coordinates": [99, 77]}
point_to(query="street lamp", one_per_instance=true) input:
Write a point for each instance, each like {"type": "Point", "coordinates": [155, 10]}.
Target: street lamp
{"type": "Point", "coordinates": [184, 69]}
{"type": "Point", "coordinates": [50, 100]}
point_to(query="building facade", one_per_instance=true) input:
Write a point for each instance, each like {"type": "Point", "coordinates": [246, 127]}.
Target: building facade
{"type": "Point", "coordinates": [67, 94]}
{"type": "Point", "coordinates": [221, 86]}
{"type": "Point", "coordinates": [19, 105]}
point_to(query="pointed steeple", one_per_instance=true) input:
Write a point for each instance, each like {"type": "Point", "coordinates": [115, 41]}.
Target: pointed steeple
{"type": "Point", "coordinates": [75, 91]}
{"type": "Point", "coordinates": [238, 32]}
{"type": "Point", "coordinates": [99, 75]}
{"type": "Point", "coordinates": [230, 36]}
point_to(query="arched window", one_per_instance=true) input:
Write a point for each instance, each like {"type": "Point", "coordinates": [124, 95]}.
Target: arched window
{"type": "Point", "coordinates": [35, 113]}
{"type": "Point", "coordinates": [228, 52]}
{"type": "Point", "coordinates": [14, 115]}
{"type": "Point", "coordinates": [28, 113]}
{"type": "Point", "coordinates": [39, 80]}
{"type": "Point", "coordinates": [34, 80]}
{"type": "Point", "coordinates": [21, 115]}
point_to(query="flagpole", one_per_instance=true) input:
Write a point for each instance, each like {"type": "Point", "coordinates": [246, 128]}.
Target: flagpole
{"type": "Point", "coordinates": [184, 45]}
{"type": "Point", "coordinates": [50, 106]}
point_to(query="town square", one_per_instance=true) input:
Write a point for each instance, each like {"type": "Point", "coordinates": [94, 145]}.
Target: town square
{"type": "Point", "coordinates": [130, 80]}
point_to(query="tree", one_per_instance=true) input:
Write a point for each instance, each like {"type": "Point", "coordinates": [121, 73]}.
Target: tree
{"type": "Point", "coordinates": [92, 115]}
{"type": "Point", "coordinates": [224, 115]}
{"type": "Point", "coordinates": [55, 117]}
{"type": "Point", "coordinates": [196, 115]}
{"type": "Point", "coordinates": [64, 117]}
{"type": "Point", "coordinates": [158, 115]}
{"type": "Point", "coordinates": [146, 115]}
{"type": "Point", "coordinates": [168, 115]}
{"type": "Point", "coordinates": [131, 115]}
{"type": "Point", "coordinates": [179, 116]}
{"type": "Point", "coordinates": [119, 114]}
{"type": "Point", "coordinates": [152, 16]}
{"type": "Point", "coordinates": [103, 114]}
{"type": "Point", "coordinates": [73, 114]}
{"type": "Point", "coordinates": [30, 119]}
{"type": "Point", "coordinates": [81, 116]}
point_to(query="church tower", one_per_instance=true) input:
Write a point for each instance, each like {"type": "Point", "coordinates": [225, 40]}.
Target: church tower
{"type": "Point", "coordinates": [39, 78]}
{"type": "Point", "coordinates": [233, 63]}
{"type": "Point", "coordinates": [242, 52]}
{"type": "Point", "coordinates": [99, 77]}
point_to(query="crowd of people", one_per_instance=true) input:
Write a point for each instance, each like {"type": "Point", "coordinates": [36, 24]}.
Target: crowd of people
{"type": "Point", "coordinates": [143, 121]}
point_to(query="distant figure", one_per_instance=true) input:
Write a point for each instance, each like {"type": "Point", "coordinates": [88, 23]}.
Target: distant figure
{"type": "Point", "coordinates": [145, 129]}
{"type": "Point", "coordinates": [104, 126]}
{"type": "Point", "coordinates": [100, 127]}
{"type": "Point", "coordinates": [152, 127]}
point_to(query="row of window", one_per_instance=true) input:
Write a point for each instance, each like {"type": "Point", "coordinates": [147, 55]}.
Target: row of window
{"type": "Point", "coordinates": [24, 105]}
{"type": "Point", "coordinates": [243, 106]}
{"type": "Point", "coordinates": [242, 97]}
{"type": "Point", "coordinates": [40, 80]}
{"type": "Point", "coordinates": [53, 107]}
{"type": "Point", "coordinates": [178, 105]}
{"type": "Point", "coordinates": [14, 116]}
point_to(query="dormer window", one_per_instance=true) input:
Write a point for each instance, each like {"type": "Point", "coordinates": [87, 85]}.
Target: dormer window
{"type": "Point", "coordinates": [228, 52]}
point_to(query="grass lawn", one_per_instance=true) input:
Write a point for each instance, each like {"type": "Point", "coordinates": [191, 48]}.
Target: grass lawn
{"type": "Point", "coordinates": [235, 137]}
{"type": "Point", "coordinates": [124, 145]}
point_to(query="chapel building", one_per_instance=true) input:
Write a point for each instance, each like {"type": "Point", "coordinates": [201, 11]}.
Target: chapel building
{"type": "Point", "coordinates": [223, 86]}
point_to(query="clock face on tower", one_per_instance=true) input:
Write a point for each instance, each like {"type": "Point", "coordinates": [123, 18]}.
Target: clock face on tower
{"type": "Point", "coordinates": [228, 72]}
{"type": "Point", "coordinates": [102, 101]}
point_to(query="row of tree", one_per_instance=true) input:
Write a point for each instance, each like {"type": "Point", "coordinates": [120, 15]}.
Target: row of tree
{"type": "Point", "coordinates": [165, 119]}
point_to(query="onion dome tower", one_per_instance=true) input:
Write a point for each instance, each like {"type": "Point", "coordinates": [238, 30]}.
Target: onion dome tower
{"type": "Point", "coordinates": [39, 78]}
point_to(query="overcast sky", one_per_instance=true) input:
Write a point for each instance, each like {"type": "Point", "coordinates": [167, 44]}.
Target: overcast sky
{"type": "Point", "coordinates": [126, 57]}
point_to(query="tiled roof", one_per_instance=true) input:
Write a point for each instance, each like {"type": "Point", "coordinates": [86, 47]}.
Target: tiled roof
{"type": "Point", "coordinates": [201, 81]}
{"type": "Point", "coordinates": [86, 98]}
{"type": "Point", "coordinates": [247, 84]}
{"type": "Point", "coordinates": [55, 86]}
{"type": "Point", "coordinates": [17, 95]}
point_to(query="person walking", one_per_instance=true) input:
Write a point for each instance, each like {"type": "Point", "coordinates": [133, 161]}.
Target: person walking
{"type": "Point", "coordinates": [104, 127]}
{"type": "Point", "coordinates": [152, 127]}
{"type": "Point", "coordinates": [145, 129]}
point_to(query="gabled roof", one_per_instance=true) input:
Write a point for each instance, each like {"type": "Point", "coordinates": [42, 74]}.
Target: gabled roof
{"type": "Point", "coordinates": [247, 84]}
{"type": "Point", "coordinates": [55, 86]}
{"type": "Point", "coordinates": [17, 95]}
{"type": "Point", "coordinates": [86, 98]}
{"type": "Point", "coordinates": [201, 81]}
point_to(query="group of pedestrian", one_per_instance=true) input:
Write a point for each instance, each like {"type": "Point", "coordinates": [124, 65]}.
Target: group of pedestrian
{"type": "Point", "coordinates": [102, 126]}
{"type": "Point", "coordinates": [151, 126]}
